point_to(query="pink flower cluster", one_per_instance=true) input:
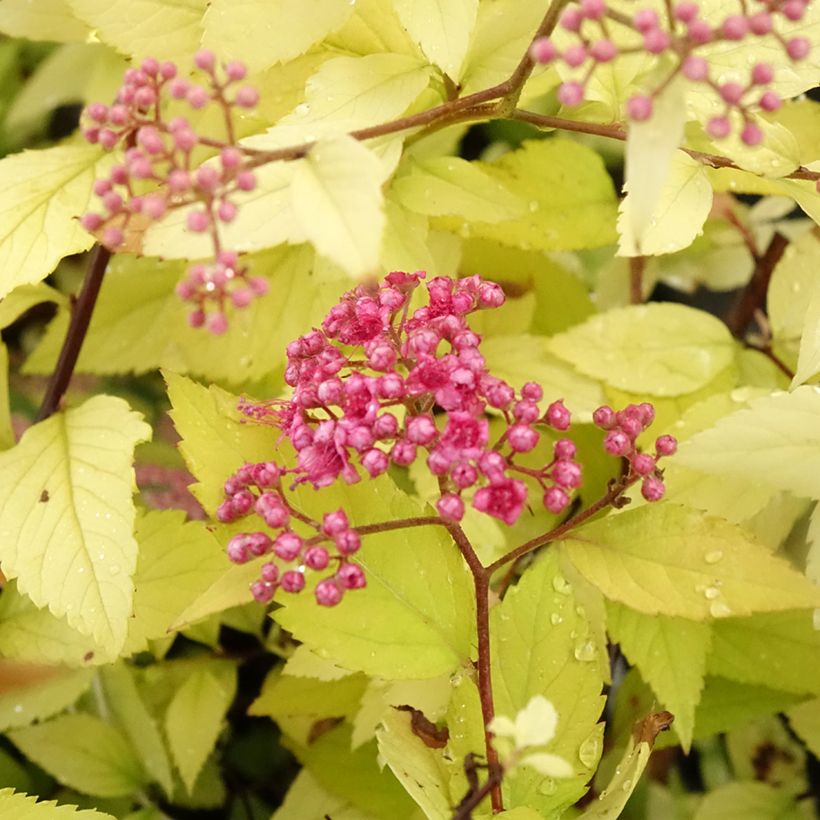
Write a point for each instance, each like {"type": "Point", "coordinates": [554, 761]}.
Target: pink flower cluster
{"type": "Point", "coordinates": [387, 380]}
{"type": "Point", "coordinates": [158, 173]}
{"type": "Point", "coordinates": [680, 37]}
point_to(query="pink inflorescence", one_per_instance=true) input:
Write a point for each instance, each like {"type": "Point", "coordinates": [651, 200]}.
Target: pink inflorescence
{"type": "Point", "coordinates": [157, 173]}
{"type": "Point", "coordinates": [382, 384]}
{"type": "Point", "coordinates": [684, 36]}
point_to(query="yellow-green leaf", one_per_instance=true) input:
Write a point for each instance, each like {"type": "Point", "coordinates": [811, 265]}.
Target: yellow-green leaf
{"type": "Point", "coordinates": [83, 753]}
{"type": "Point", "coordinates": [44, 193]}
{"type": "Point", "coordinates": [747, 801]}
{"type": "Point", "coordinates": [264, 32]}
{"type": "Point", "coordinates": [307, 798]}
{"type": "Point", "coordinates": [21, 299]}
{"type": "Point", "coordinates": [66, 515]}
{"type": "Point", "coordinates": [43, 20]}
{"type": "Point", "coordinates": [19, 806]}
{"type": "Point", "coordinates": [805, 720]}
{"type": "Point", "coordinates": [662, 349]}
{"type": "Point", "coordinates": [671, 560]}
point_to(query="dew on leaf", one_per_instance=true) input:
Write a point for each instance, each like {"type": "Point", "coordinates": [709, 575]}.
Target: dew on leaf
{"type": "Point", "coordinates": [719, 609]}
{"type": "Point", "coordinates": [713, 557]}
{"type": "Point", "coordinates": [710, 593]}
{"type": "Point", "coordinates": [556, 619]}
{"type": "Point", "coordinates": [590, 751]}
{"type": "Point", "coordinates": [627, 785]}
{"type": "Point", "coordinates": [549, 786]}
{"type": "Point", "coordinates": [560, 584]}
{"type": "Point", "coordinates": [586, 651]}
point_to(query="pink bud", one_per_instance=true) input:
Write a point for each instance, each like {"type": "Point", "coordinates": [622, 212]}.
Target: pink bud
{"type": "Point", "coordinates": [645, 20]}
{"type": "Point", "coordinates": [735, 27]}
{"type": "Point", "coordinates": [593, 9]}
{"type": "Point", "coordinates": [270, 572]}
{"type": "Point", "coordinates": [604, 417]}
{"type": "Point", "coordinates": [197, 96]}
{"type": "Point", "coordinates": [639, 107]}
{"type": "Point", "coordinates": [226, 211]}
{"type": "Point", "coordinates": [262, 591]}
{"type": "Point", "coordinates": [656, 41]}
{"type": "Point", "coordinates": [731, 93]}
{"type": "Point", "coordinates": [543, 51]}
{"type": "Point", "coordinates": [751, 134]}
{"type": "Point", "coordinates": [522, 438]}
{"type": "Point", "coordinates": [351, 576]}
{"type": "Point", "coordinates": [247, 97]}
{"type": "Point", "coordinates": [532, 391]}
{"type": "Point", "coordinates": [666, 445]}
{"type": "Point", "coordinates": [292, 581]}
{"type": "Point", "coordinates": [167, 70]}
{"type": "Point", "coordinates": [450, 507]}
{"type": "Point", "coordinates": [699, 32]}
{"type": "Point", "coordinates": [603, 51]}
{"type": "Point", "coordinates": [97, 112]}
{"type": "Point", "coordinates": [179, 181]}
{"type": "Point", "coordinates": [348, 542]}
{"type": "Point", "coordinates": [564, 449]}
{"type": "Point", "coordinates": [575, 55]}
{"type": "Point", "coordinates": [718, 127]}
{"type": "Point", "coordinates": [695, 68]}
{"type": "Point", "coordinates": [327, 593]}
{"type": "Point", "coordinates": [198, 221]}
{"type": "Point", "coordinates": [770, 101]}
{"type": "Point", "coordinates": [643, 464]}
{"type": "Point", "coordinates": [231, 158]}
{"type": "Point", "coordinates": [217, 323]}
{"type": "Point", "coordinates": [570, 93]}
{"type": "Point", "coordinates": [205, 59]}
{"type": "Point", "coordinates": [567, 474]}
{"type": "Point", "coordinates": [617, 443]}
{"type": "Point", "coordinates": [798, 48]}
{"type": "Point", "coordinates": [794, 10]}
{"type": "Point", "coordinates": [686, 12]}
{"type": "Point", "coordinates": [652, 488]}
{"type": "Point", "coordinates": [762, 74]}
{"type": "Point", "coordinates": [287, 545]}
{"type": "Point", "coordinates": [557, 416]}
{"type": "Point", "coordinates": [245, 181]}
{"type": "Point", "coordinates": [112, 238]}
{"type": "Point", "coordinates": [91, 222]}
{"type": "Point", "coordinates": [760, 23]}
{"type": "Point", "coordinates": [556, 500]}
{"type": "Point", "coordinates": [572, 18]}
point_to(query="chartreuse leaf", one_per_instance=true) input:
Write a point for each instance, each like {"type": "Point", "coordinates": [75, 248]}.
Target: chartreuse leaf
{"type": "Point", "coordinates": [308, 798]}
{"type": "Point", "coordinates": [178, 561]}
{"type": "Point", "coordinates": [43, 194]}
{"type": "Point", "coordinates": [420, 769]}
{"type": "Point", "coordinates": [338, 202]}
{"type": "Point", "coordinates": [142, 28]}
{"type": "Point", "coordinates": [44, 20]}
{"type": "Point", "coordinates": [33, 692]}
{"type": "Point", "coordinates": [283, 28]}
{"type": "Point", "coordinates": [355, 776]}
{"type": "Point", "coordinates": [195, 715]}
{"type": "Point", "coordinates": [542, 646]}
{"type": "Point", "coordinates": [83, 753]}
{"type": "Point", "coordinates": [570, 200]}
{"type": "Point", "coordinates": [19, 806]}
{"type": "Point", "coordinates": [671, 656]}
{"type": "Point", "coordinates": [66, 515]}
{"type": "Point", "coordinates": [775, 441]}
{"type": "Point", "coordinates": [670, 560]}
{"type": "Point", "coordinates": [6, 428]}
{"type": "Point", "coordinates": [441, 186]}
{"type": "Point", "coordinates": [662, 349]}
{"type": "Point", "coordinates": [676, 216]}
{"type": "Point", "coordinates": [415, 617]}
{"type": "Point", "coordinates": [25, 297]}
{"type": "Point", "coordinates": [777, 649]}
{"type": "Point", "coordinates": [442, 28]}
{"type": "Point", "coordinates": [747, 801]}
{"type": "Point", "coordinates": [131, 716]}
{"type": "Point", "coordinates": [805, 721]}
{"type": "Point", "coordinates": [215, 442]}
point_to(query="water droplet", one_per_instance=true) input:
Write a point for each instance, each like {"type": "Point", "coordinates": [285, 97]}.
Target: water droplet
{"type": "Point", "coordinates": [556, 619]}
{"type": "Point", "coordinates": [549, 786]}
{"type": "Point", "coordinates": [302, 109]}
{"type": "Point", "coordinates": [18, 708]}
{"type": "Point", "coordinates": [113, 569]}
{"type": "Point", "coordinates": [560, 584]}
{"type": "Point", "coordinates": [627, 785]}
{"type": "Point", "coordinates": [590, 751]}
{"type": "Point", "coordinates": [534, 206]}
{"type": "Point", "coordinates": [713, 557]}
{"type": "Point", "coordinates": [710, 593]}
{"type": "Point", "coordinates": [719, 609]}
{"type": "Point", "coordinates": [586, 651]}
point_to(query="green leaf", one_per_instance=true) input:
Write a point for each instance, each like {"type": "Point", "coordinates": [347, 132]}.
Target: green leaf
{"type": "Point", "coordinates": [83, 753]}
{"type": "Point", "coordinates": [415, 617]}
{"type": "Point", "coordinates": [215, 442]}
{"type": "Point", "coordinates": [570, 200]}
{"type": "Point", "coordinates": [18, 806]}
{"type": "Point", "coordinates": [307, 798]}
{"type": "Point", "coordinates": [66, 515]}
{"type": "Point", "coordinates": [130, 714]}
{"type": "Point", "coordinates": [747, 801]}
{"type": "Point", "coordinates": [420, 769]}
{"type": "Point", "coordinates": [662, 349]}
{"type": "Point", "coordinates": [542, 646]}
{"type": "Point", "coordinates": [338, 202]}
{"type": "Point", "coordinates": [674, 219]}
{"type": "Point", "coordinates": [43, 20]}
{"type": "Point", "coordinates": [775, 441]}
{"type": "Point", "coordinates": [670, 560]}
{"type": "Point", "coordinates": [178, 561]}
{"type": "Point", "coordinates": [805, 721]}
{"type": "Point", "coordinates": [44, 193]}
{"type": "Point", "coordinates": [522, 358]}
{"type": "Point", "coordinates": [671, 656]}
{"type": "Point", "coordinates": [808, 361]}
{"type": "Point", "coordinates": [143, 28]}
{"type": "Point", "coordinates": [441, 186]}
{"type": "Point", "coordinates": [195, 715]}
{"type": "Point", "coordinates": [777, 650]}
{"type": "Point", "coordinates": [284, 29]}
{"type": "Point", "coordinates": [25, 297]}
{"type": "Point", "coordinates": [32, 693]}
{"type": "Point", "coordinates": [442, 28]}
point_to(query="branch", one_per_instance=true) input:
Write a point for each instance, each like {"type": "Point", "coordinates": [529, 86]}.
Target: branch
{"type": "Point", "coordinates": [386, 526]}
{"type": "Point", "coordinates": [81, 312]}
{"type": "Point", "coordinates": [637, 264]}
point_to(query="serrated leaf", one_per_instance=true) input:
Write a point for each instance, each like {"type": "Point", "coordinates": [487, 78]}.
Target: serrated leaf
{"type": "Point", "coordinates": [612, 800]}
{"type": "Point", "coordinates": [420, 769]}
{"type": "Point", "coordinates": [132, 716]}
{"type": "Point", "coordinates": [747, 801]}
{"type": "Point", "coordinates": [30, 693]}
{"type": "Point", "coordinates": [671, 560]}
{"type": "Point", "coordinates": [166, 29]}
{"type": "Point", "coordinates": [51, 20]}
{"type": "Point", "coordinates": [25, 297]}
{"type": "Point", "coordinates": [662, 349]}
{"type": "Point", "coordinates": [775, 441]}
{"type": "Point", "coordinates": [194, 718]}
{"type": "Point", "coordinates": [338, 202]}
{"type": "Point", "coordinates": [570, 200]}
{"type": "Point", "coordinates": [541, 646]}
{"type": "Point", "coordinates": [19, 806]}
{"type": "Point", "coordinates": [43, 194]}
{"type": "Point", "coordinates": [442, 186]}
{"type": "Point", "coordinates": [670, 654]}
{"type": "Point", "coordinates": [84, 753]}
{"type": "Point", "coordinates": [285, 695]}
{"type": "Point", "coordinates": [805, 721]}
{"type": "Point", "coordinates": [66, 515]}
{"type": "Point", "coordinates": [442, 28]}
{"type": "Point", "coordinates": [778, 650]}
{"type": "Point", "coordinates": [307, 798]}
{"type": "Point", "coordinates": [401, 625]}
{"type": "Point", "coordinates": [264, 32]}
{"type": "Point", "coordinates": [674, 219]}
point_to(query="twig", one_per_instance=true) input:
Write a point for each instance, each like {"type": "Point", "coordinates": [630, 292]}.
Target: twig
{"type": "Point", "coordinates": [81, 312]}
{"type": "Point", "coordinates": [637, 264]}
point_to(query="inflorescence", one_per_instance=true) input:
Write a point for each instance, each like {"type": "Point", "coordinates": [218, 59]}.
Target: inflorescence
{"type": "Point", "coordinates": [158, 173]}
{"type": "Point", "coordinates": [384, 383]}
{"type": "Point", "coordinates": [682, 38]}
